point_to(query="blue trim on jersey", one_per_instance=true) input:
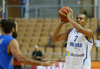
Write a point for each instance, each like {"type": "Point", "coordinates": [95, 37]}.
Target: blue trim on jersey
{"type": "Point", "coordinates": [88, 40]}
{"type": "Point", "coordinates": [86, 54]}
{"type": "Point", "coordinates": [71, 30]}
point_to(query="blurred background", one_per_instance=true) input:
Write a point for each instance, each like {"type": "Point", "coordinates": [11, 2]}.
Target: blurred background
{"type": "Point", "coordinates": [38, 19]}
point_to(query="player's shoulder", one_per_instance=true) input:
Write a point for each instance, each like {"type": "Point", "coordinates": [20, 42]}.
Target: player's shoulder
{"type": "Point", "coordinates": [14, 41]}
{"type": "Point", "coordinates": [69, 30]}
{"type": "Point", "coordinates": [90, 31]}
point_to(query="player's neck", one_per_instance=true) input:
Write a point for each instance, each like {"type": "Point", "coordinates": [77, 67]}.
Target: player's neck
{"type": "Point", "coordinates": [9, 34]}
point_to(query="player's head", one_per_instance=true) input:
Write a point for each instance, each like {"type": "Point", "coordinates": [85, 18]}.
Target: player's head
{"type": "Point", "coordinates": [81, 19]}
{"type": "Point", "coordinates": [9, 26]}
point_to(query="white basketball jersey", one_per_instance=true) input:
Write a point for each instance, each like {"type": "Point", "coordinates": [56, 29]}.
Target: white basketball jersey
{"type": "Point", "coordinates": [78, 51]}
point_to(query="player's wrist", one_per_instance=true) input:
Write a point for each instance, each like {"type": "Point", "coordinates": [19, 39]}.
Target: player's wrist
{"type": "Point", "coordinates": [42, 63]}
{"type": "Point", "coordinates": [62, 22]}
{"type": "Point", "coordinates": [70, 18]}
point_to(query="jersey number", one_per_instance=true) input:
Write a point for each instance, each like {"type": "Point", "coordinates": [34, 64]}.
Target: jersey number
{"type": "Point", "coordinates": [75, 38]}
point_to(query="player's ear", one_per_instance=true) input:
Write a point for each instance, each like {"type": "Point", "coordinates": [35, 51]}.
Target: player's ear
{"type": "Point", "coordinates": [86, 22]}
{"type": "Point", "coordinates": [13, 29]}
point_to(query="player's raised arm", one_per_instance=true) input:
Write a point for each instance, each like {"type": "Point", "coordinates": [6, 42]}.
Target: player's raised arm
{"type": "Point", "coordinates": [79, 23]}
{"type": "Point", "coordinates": [59, 37]}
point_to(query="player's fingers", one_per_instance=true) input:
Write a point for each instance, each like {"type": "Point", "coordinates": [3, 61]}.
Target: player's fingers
{"type": "Point", "coordinates": [53, 62]}
{"type": "Point", "coordinates": [66, 11]}
{"type": "Point", "coordinates": [71, 10]}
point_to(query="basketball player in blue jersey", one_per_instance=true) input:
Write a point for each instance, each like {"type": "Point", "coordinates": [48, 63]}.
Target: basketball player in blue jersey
{"type": "Point", "coordinates": [9, 47]}
{"type": "Point", "coordinates": [79, 42]}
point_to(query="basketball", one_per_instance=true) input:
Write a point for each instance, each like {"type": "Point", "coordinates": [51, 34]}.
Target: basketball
{"type": "Point", "coordinates": [62, 14]}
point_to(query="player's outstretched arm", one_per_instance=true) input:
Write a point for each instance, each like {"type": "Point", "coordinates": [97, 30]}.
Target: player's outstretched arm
{"type": "Point", "coordinates": [14, 48]}
{"type": "Point", "coordinates": [78, 27]}
{"type": "Point", "coordinates": [59, 37]}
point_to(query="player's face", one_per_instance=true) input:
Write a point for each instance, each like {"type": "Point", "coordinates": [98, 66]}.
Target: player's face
{"type": "Point", "coordinates": [15, 32]}
{"type": "Point", "coordinates": [16, 26]}
{"type": "Point", "coordinates": [81, 19]}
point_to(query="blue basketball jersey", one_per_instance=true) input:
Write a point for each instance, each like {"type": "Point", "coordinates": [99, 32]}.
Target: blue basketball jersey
{"type": "Point", "coordinates": [5, 58]}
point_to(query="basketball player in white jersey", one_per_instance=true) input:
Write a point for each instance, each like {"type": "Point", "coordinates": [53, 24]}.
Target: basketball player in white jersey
{"type": "Point", "coordinates": [79, 42]}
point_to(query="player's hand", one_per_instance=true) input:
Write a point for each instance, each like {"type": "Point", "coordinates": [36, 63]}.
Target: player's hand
{"type": "Point", "coordinates": [69, 13]}
{"type": "Point", "coordinates": [48, 63]}
{"type": "Point", "coordinates": [62, 22]}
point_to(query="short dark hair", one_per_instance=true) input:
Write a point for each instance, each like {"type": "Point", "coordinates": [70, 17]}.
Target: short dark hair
{"type": "Point", "coordinates": [85, 17]}
{"type": "Point", "coordinates": [7, 25]}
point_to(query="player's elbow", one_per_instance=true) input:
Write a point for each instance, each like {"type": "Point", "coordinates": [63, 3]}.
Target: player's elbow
{"type": "Point", "coordinates": [20, 58]}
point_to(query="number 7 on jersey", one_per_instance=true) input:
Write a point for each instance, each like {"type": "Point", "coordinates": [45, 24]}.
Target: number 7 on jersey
{"type": "Point", "coordinates": [75, 38]}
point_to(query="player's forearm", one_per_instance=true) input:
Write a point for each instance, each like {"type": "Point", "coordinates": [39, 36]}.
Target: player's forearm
{"type": "Point", "coordinates": [29, 61]}
{"type": "Point", "coordinates": [55, 35]}
{"type": "Point", "coordinates": [77, 26]}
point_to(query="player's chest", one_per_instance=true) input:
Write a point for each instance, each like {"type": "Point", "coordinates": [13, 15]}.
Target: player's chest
{"type": "Point", "coordinates": [76, 37]}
